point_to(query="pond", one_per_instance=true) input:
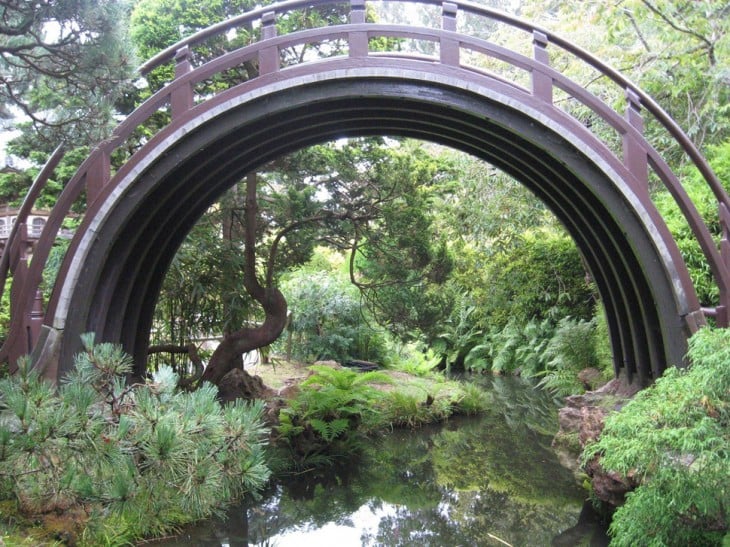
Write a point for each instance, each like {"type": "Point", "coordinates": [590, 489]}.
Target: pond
{"type": "Point", "coordinates": [492, 479]}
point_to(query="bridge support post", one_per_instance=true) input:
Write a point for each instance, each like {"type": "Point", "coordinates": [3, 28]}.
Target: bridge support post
{"type": "Point", "coordinates": [181, 99]}
{"type": "Point", "coordinates": [449, 48]}
{"type": "Point", "coordinates": [98, 174]}
{"type": "Point", "coordinates": [542, 84]}
{"type": "Point", "coordinates": [268, 57]}
{"type": "Point", "coordinates": [19, 344]}
{"type": "Point", "coordinates": [358, 41]}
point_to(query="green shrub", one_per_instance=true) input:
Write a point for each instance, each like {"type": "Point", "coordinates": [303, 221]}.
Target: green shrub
{"type": "Point", "coordinates": [458, 337]}
{"type": "Point", "coordinates": [540, 277]}
{"type": "Point", "coordinates": [142, 459]}
{"type": "Point", "coordinates": [570, 350]}
{"type": "Point", "coordinates": [518, 347]}
{"type": "Point", "coordinates": [602, 343]}
{"type": "Point", "coordinates": [706, 203]}
{"type": "Point", "coordinates": [472, 399]}
{"type": "Point", "coordinates": [322, 423]}
{"type": "Point", "coordinates": [410, 359]}
{"type": "Point", "coordinates": [674, 436]}
{"type": "Point", "coordinates": [327, 319]}
{"type": "Point", "coordinates": [5, 311]}
{"type": "Point", "coordinates": [405, 409]}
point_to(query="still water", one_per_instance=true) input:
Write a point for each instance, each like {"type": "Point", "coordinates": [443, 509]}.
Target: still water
{"type": "Point", "coordinates": [486, 480]}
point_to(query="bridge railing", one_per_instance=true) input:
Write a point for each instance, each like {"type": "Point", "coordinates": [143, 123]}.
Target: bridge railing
{"type": "Point", "coordinates": [450, 48]}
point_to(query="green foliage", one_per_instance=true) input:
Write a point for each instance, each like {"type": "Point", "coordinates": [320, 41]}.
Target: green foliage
{"type": "Point", "coordinates": [327, 321]}
{"type": "Point", "coordinates": [410, 359]}
{"type": "Point", "coordinates": [572, 348]}
{"type": "Point", "coordinates": [5, 310]}
{"type": "Point", "coordinates": [322, 423]}
{"type": "Point", "coordinates": [706, 204]}
{"type": "Point", "coordinates": [602, 343]}
{"type": "Point", "coordinates": [458, 337]}
{"type": "Point", "coordinates": [678, 52]}
{"type": "Point", "coordinates": [143, 459]}
{"type": "Point", "coordinates": [64, 64]}
{"type": "Point", "coordinates": [201, 295]}
{"type": "Point", "coordinates": [543, 274]}
{"type": "Point", "coordinates": [520, 347]}
{"type": "Point", "coordinates": [406, 409]}
{"type": "Point", "coordinates": [472, 399]}
{"type": "Point", "coordinates": [557, 352]}
{"type": "Point", "coordinates": [674, 437]}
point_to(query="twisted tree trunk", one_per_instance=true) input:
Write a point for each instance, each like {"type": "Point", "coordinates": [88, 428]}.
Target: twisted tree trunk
{"type": "Point", "coordinates": [227, 355]}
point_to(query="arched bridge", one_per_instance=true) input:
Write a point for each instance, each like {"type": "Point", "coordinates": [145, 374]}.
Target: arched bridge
{"type": "Point", "coordinates": [467, 93]}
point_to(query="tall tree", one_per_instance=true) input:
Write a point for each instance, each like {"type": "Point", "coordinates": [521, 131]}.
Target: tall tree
{"type": "Point", "coordinates": [365, 197]}
{"type": "Point", "coordinates": [62, 66]}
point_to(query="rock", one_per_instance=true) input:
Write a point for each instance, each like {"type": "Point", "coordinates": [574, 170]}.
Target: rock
{"type": "Point", "coordinates": [590, 377]}
{"type": "Point", "coordinates": [609, 486]}
{"type": "Point", "coordinates": [592, 422]}
{"type": "Point", "coordinates": [238, 384]}
{"type": "Point", "coordinates": [289, 391]}
{"type": "Point", "coordinates": [569, 419]}
{"type": "Point", "coordinates": [581, 422]}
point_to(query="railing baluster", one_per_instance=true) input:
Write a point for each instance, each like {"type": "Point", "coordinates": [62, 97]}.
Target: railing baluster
{"type": "Point", "coordinates": [268, 57]}
{"type": "Point", "coordinates": [723, 309]}
{"type": "Point", "coordinates": [449, 47]}
{"type": "Point", "coordinates": [357, 41]}
{"type": "Point", "coordinates": [181, 99]}
{"type": "Point", "coordinates": [542, 84]}
{"type": "Point", "coordinates": [635, 157]}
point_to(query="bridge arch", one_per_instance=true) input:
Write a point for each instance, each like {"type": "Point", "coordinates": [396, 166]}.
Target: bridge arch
{"type": "Point", "coordinates": [135, 228]}
{"type": "Point", "coordinates": [138, 217]}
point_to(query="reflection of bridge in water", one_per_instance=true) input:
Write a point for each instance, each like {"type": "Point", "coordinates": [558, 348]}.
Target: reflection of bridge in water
{"type": "Point", "coordinates": [467, 93]}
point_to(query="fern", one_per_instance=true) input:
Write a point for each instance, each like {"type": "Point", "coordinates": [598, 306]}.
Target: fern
{"type": "Point", "coordinates": [329, 431]}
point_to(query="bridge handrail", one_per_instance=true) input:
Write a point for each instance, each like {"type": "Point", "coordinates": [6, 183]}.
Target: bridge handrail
{"type": "Point", "coordinates": [95, 172]}
{"type": "Point", "coordinates": [721, 271]}
{"type": "Point", "coordinates": [647, 101]}
{"type": "Point", "coordinates": [13, 245]}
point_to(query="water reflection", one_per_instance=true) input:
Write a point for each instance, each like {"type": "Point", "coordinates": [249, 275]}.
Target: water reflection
{"type": "Point", "coordinates": [487, 480]}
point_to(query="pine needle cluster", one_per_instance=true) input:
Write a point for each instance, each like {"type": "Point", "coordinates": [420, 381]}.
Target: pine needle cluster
{"type": "Point", "coordinates": [139, 460]}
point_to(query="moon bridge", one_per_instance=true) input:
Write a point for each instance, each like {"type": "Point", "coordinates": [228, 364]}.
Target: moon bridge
{"type": "Point", "coordinates": [437, 83]}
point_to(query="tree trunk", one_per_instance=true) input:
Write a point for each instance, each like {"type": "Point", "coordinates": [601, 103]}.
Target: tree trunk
{"type": "Point", "coordinates": [227, 355]}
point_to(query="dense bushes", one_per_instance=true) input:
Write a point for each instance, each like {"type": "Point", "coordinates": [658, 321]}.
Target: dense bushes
{"type": "Point", "coordinates": [539, 276]}
{"type": "Point", "coordinates": [554, 351]}
{"type": "Point", "coordinates": [134, 461]}
{"type": "Point", "coordinates": [327, 321]}
{"type": "Point", "coordinates": [675, 438]}
{"type": "Point", "coordinates": [706, 203]}
{"type": "Point", "coordinates": [530, 311]}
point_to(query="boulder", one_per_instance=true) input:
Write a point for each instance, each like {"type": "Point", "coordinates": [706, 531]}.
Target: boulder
{"type": "Point", "coordinates": [581, 421]}
{"type": "Point", "coordinates": [238, 384]}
